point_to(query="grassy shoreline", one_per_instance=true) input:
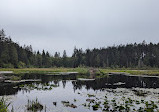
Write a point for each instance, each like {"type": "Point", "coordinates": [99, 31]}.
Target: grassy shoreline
{"type": "Point", "coordinates": [83, 70]}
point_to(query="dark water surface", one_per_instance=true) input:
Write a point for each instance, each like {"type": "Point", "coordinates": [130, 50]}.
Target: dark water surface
{"type": "Point", "coordinates": [69, 88]}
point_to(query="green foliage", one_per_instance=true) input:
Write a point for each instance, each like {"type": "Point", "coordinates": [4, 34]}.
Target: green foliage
{"type": "Point", "coordinates": [3, 105]}
{"type": "Point", "coordinates": [15, 78]}
{"type": "Point", "coordinates": [34, 106]}
{"type": "Point", "coordinates": [138, 56]}
{"type": "Point", "coordinates": [13, 55]}
{"type": "Point", "coordinates": [21, 65]}
{"type": "Point", "coordinates": [9, 65]}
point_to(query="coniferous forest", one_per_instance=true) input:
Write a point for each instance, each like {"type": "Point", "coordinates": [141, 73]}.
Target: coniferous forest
{"type": "Point", "coordinates": [12, 55]}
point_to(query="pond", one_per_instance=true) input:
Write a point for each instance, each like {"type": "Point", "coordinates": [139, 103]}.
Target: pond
{"type": "Point", "coordinates": [68, 93]}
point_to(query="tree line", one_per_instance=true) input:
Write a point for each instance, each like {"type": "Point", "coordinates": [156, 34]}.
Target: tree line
{"type": "Point", "coordinates": [12, 55]}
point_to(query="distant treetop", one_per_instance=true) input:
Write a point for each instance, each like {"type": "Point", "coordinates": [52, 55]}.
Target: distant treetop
{"type": "Point", "coordinates": [2, 34]}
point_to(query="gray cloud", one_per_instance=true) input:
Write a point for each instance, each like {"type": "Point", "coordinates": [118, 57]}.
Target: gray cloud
{"type": "Point", "coordinates": [55, 25]}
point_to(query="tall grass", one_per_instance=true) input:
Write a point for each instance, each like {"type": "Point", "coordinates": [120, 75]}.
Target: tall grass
{"type": "Point", "coordinates": [83, 70]}
{"type": "Point", "coordinates": [46, 70]}
{"type": "Point", "coordinates": [34, 106]}
{"type": "Point", "coordinates": [4, 105]}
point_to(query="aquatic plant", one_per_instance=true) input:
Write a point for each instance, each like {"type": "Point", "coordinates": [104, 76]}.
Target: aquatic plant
{"type": "Point", "coordinates": [67, 104]}
{"type": "Point", "coordinates": [34, 106]}
{"type": "Point", "coordinates": [95, 107]}
{"type": "Point", "coordinates": [4, 105]}
{"type": "Point", "coordinates": [84, 104]}
{"type": "Point", "coordinates": [150, 106]}
{"type": "Point", "coordinates": [74, 100]}
{"type": "Point", "coordinates": [90, 95]}
{"type": "Point", "coordinates": [12, 110]}
{"type": "Point", "coordinates": [140, 92]}
{"type": "Point", "coordinates": [90, 100]}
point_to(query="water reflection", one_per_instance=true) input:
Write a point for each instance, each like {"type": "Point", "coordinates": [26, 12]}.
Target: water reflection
{"type": "Point", "coordinates": [111, 81]}
{"type": "Point", "coordinates": [7, 89]}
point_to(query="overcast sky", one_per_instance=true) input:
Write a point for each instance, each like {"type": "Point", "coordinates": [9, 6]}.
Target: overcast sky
{"type": "Point", "coordinates": [57, 25]}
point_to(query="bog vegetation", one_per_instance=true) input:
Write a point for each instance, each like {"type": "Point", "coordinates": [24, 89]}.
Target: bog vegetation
{"type": "Point", "coordinates": [3, 105]}
{"type": "Point", "coordinates": [141, 55]}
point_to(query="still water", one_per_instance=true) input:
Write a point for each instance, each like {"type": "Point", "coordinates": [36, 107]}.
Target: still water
{"type": "Point", "coordinates": [67, 88]}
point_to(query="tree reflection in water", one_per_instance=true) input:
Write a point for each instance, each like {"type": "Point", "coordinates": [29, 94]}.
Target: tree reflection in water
{"type": "Point", "coordinates": [111, 81]}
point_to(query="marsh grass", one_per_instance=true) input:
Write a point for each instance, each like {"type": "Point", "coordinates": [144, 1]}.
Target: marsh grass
{"type": "Point", "coordinates": [34, 106]}
{"type": "Point", "coordinates": [140, 93]}
{"type": "Point", "coordinates": [46, 70]}
{"type": "Point", "coordinates": [154, 72]}
{"type": "Point", "coordinates": [4, 105]}
{"type": "Point", "coordinates": [83, 70]}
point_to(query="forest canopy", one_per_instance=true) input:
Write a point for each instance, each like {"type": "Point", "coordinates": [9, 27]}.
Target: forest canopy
{"type": "Point", "coordinates": [12, 55]}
